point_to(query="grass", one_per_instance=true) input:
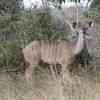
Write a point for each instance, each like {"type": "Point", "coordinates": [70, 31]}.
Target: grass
{"type": "Point", "coordinates": [44, 87]}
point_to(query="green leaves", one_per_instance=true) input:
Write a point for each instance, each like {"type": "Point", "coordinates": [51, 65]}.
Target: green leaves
{"type": "Point", "coordinates": [10, 56]}
{"type": "Point", "coordinates": [94, 10]}
{"type": "Point", "coordinates": [96, 3]}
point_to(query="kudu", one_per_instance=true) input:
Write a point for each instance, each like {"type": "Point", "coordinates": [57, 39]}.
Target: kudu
{"type": "Point", "coordinates": [53, 52]}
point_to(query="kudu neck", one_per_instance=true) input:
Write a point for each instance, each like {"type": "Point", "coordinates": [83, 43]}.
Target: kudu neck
{"type": "Point", "coordinates": [80, 43]}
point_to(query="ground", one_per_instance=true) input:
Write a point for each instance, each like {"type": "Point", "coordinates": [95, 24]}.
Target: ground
{"type": "Point", "coordinates": [45, 87]}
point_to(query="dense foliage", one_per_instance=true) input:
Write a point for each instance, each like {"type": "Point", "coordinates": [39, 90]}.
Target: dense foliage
{"type": "Point", "coordinates": [11, 57]}
{"type": "Point", "coordinates": [25, 25]}
{"type": "Point", "coordinates": [10, 52]}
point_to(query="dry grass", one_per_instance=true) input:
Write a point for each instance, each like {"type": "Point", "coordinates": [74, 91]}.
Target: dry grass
{"type": "Point", "coordinates": [44, 87]}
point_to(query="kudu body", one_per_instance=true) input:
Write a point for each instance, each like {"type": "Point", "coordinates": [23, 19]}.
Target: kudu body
{"type": "Point", "coordinates": [52, 52]}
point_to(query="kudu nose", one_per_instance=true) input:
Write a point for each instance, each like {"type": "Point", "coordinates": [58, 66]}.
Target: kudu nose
{"type": "Point", "coordinates": [84, 29]}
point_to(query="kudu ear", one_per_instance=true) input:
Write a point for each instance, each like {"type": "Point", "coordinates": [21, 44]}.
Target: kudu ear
{"type": "Point", "coordinates": [74, 25]}
{"type": "Point", "coordinates": [90, 24]}
{"type": "Point", "coordinates": [86, 30]}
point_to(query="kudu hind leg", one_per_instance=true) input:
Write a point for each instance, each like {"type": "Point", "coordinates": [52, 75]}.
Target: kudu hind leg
{"type": "Point", "coordinates": [55, 70]}
{"type": "Point", "coordinates": [52, 71]}
{"type": "Point", "coordinates": [28, 70]}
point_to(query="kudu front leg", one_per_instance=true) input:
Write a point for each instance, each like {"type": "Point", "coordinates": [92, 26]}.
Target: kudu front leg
{"type": "Point", "coordinates": [52, 71]}
{"type": "Point", "coordinates": [65, 74]}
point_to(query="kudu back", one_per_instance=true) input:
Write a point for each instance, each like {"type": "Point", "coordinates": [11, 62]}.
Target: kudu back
{"type": "Point", "coordinates": [52, 52]}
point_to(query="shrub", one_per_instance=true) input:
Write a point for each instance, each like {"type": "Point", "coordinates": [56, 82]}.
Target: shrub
{"type": "Point", "coordinates": [11, 57]}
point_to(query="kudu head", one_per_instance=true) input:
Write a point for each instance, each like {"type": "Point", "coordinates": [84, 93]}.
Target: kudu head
{"type": "Point", "coordinates": [80, 51]}
{"type": "Point", "coordinates": [81, 31]}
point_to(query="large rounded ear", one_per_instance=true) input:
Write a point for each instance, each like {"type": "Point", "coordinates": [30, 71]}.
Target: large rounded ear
{"type": "Point", "coordinates": [74, 25]}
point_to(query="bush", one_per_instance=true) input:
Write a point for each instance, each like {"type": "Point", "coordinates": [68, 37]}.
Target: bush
{"type": "Point", "coordinates": [40, 24]}
{"type": "Point", "coordinates": [11, 57]}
